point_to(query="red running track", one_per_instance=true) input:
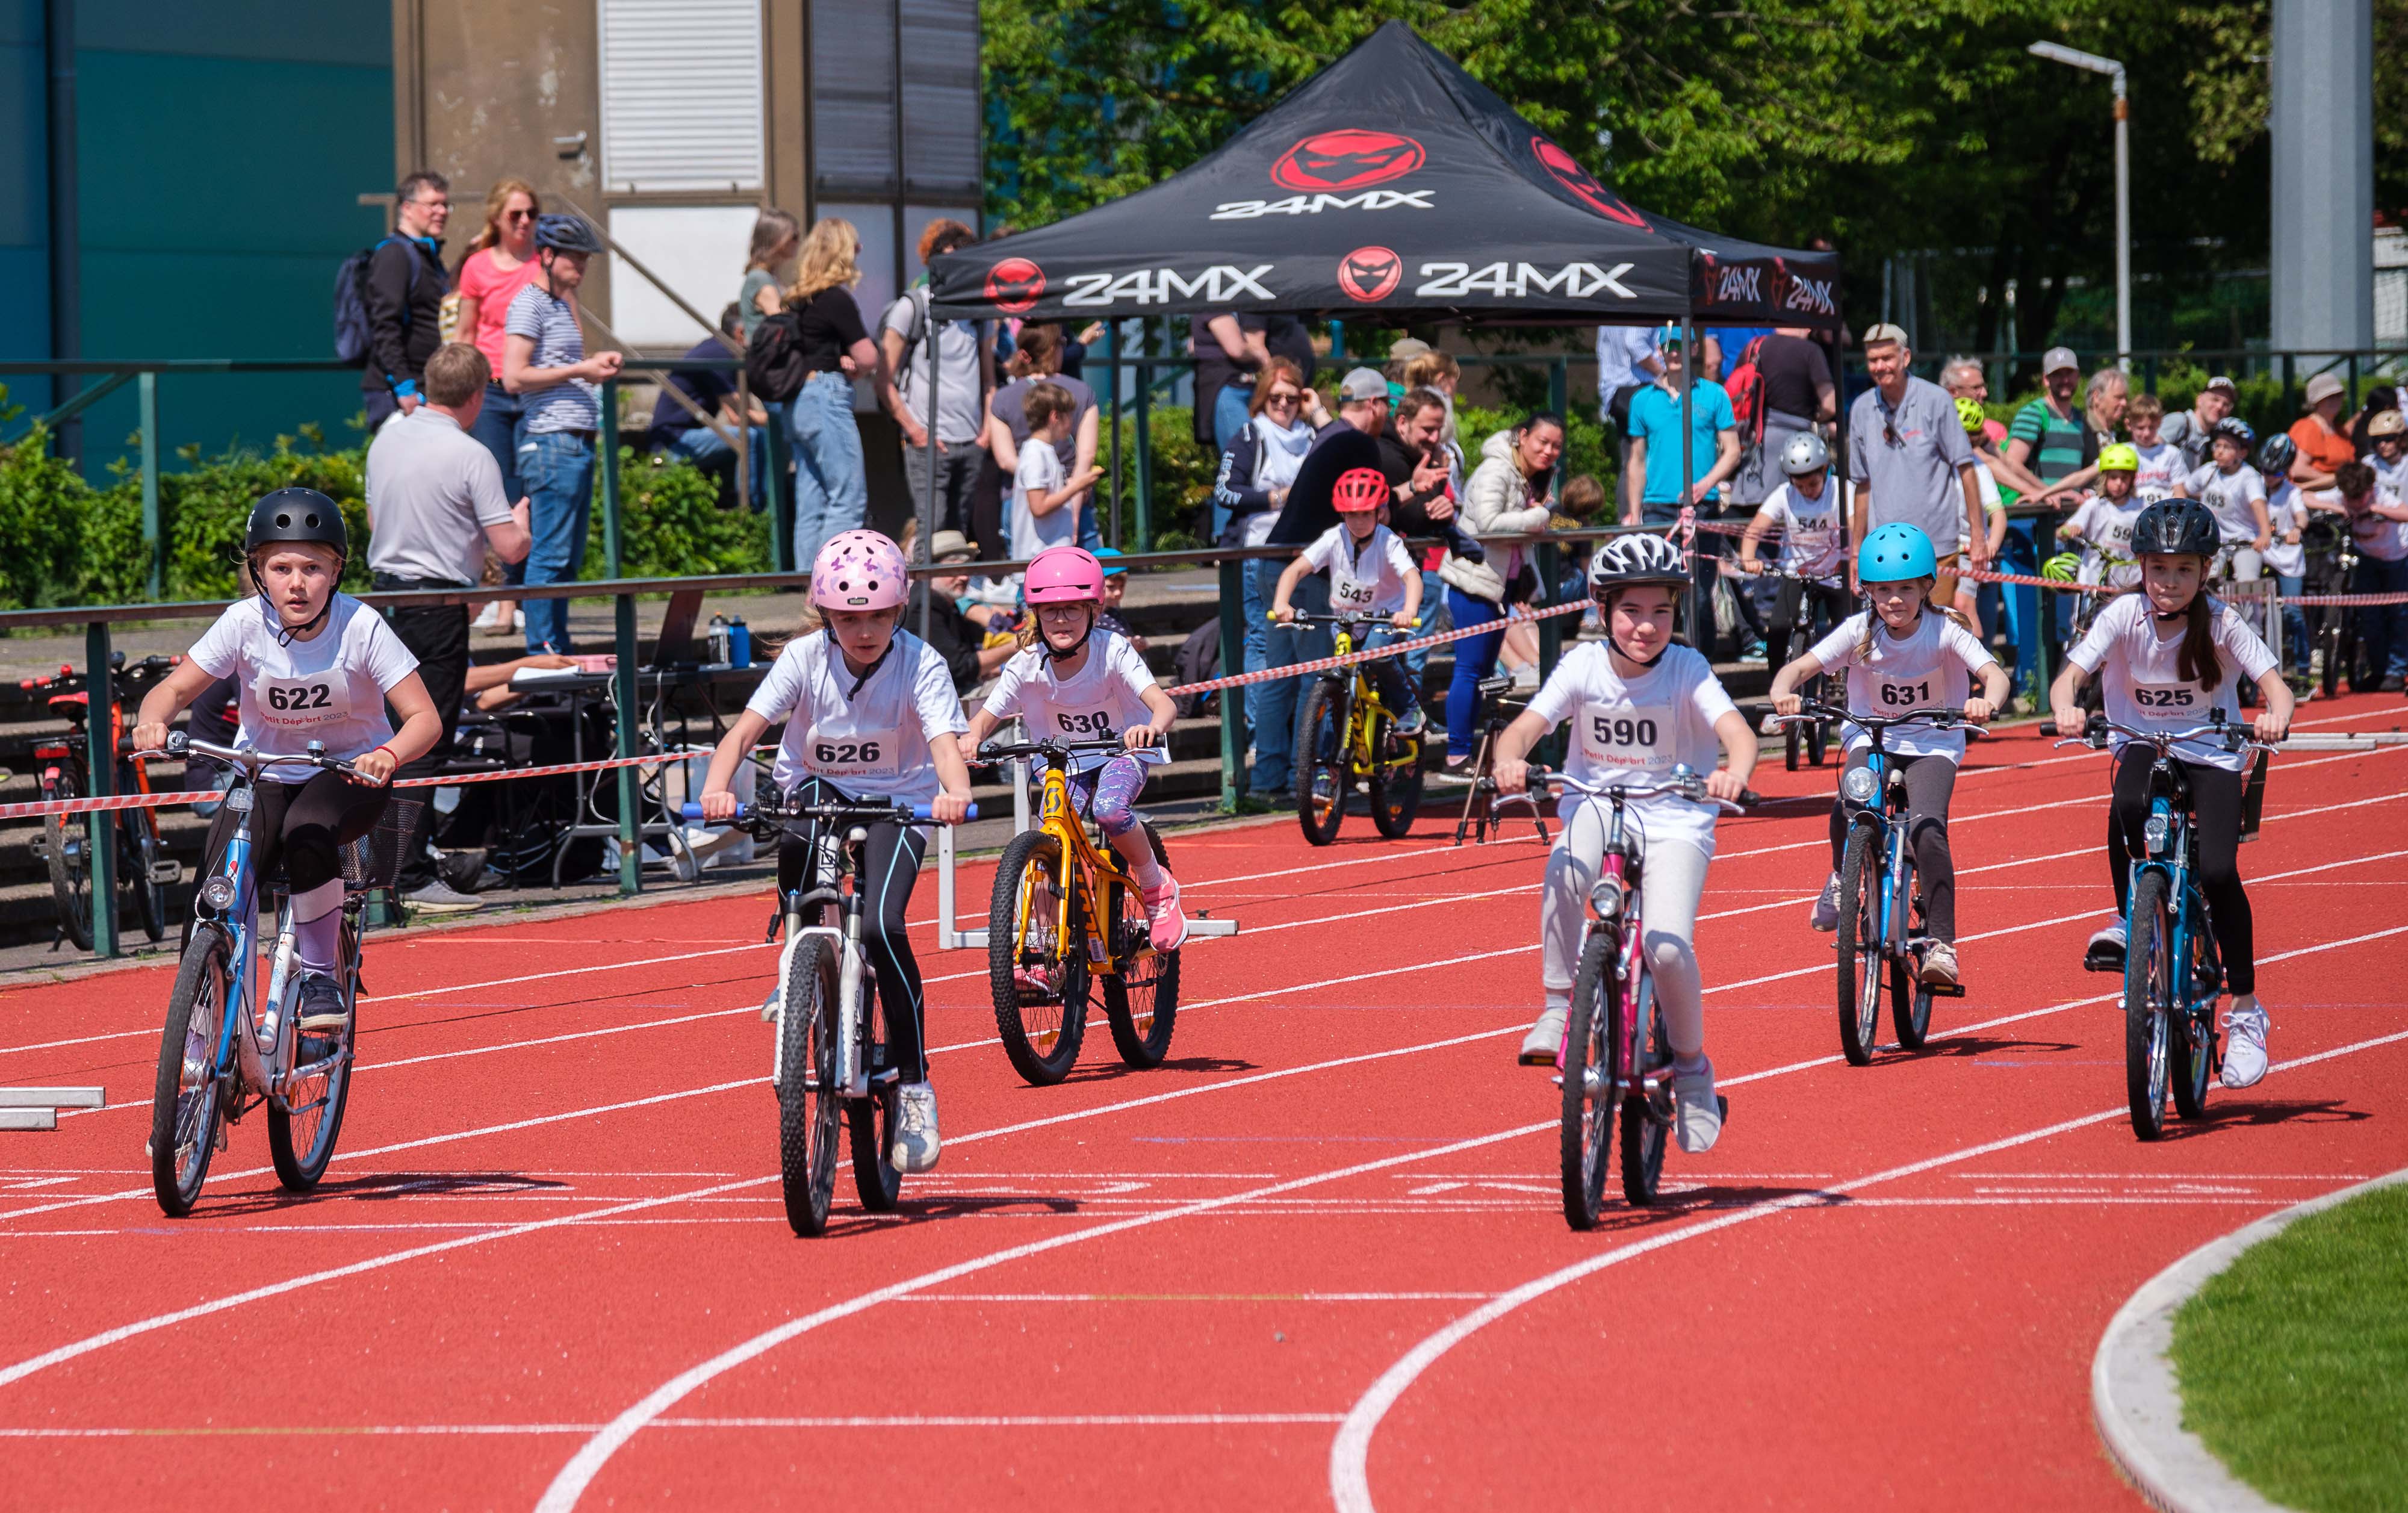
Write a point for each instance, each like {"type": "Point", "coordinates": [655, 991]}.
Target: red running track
{"type": "Point", "coordinates": [1318, 1258]}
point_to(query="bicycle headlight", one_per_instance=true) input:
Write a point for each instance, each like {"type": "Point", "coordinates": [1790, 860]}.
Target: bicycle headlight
{"type": "Point", "coordinates": [1606, 899]}
{"type": "Point", "coordinates": [217, 893]}
{"type": "Point", "coordinates": [1859, 785]}
{"type": "Point", "coordinates": [2158, 830]}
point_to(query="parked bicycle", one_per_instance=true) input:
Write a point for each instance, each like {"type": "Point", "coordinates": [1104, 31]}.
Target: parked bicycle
{"type": "Point", "coordinates": [2172, 970]}
{"type": "Point", "coordinates": [2333, 643]}
{"type": "Point", "coordinates": [1348, 737]}
{"type": "Point", "coordinates": [144, 870]}
{"type": "Point", "coordinates": [229, 1044]}
{"type": "Point", "coordinates": [1881, 898]}
{"type": "Point", "coordinates": [828, 1061]}
{"type": "Point", "coordinates": [1064, 912]}
{"type": "Point", "coordinates": [1616, 1066]}
{"type": "Point", "coordinates": [1480, 817]}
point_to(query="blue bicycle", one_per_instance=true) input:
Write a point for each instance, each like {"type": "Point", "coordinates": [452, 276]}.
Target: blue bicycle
{"type": "Point", "coordinates": [228, 1045]}
{"type": "Point", "coordinates": [2172, 972]}
{"type": "Point", "coordinates": [1880, 907]}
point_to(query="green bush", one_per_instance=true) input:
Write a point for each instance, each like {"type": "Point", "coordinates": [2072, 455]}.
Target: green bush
{"type": "Point", "coordinates": [673, 524]}
{"type": "Point", "coordinates": [44, 508]}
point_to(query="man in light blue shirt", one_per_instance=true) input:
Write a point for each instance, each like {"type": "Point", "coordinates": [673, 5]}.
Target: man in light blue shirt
{"type": "Point", "coordinates": [1652, 481]}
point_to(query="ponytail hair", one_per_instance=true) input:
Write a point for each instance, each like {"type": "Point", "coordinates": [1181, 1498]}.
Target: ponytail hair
{"type": "Point", "coordinates": [2197, 660]}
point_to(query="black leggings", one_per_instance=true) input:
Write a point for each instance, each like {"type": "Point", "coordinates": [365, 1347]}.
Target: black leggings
{"type": "Point", "coordinates": [2215, 806]}
{"type": "Point", "coordinates": [1930, 781]}
{"type": "Point", "coordinates": [302, 822]}
{"type": "Point", "coordinates": [891, 865]}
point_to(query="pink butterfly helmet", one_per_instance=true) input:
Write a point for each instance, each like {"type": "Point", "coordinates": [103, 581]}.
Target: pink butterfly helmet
{"type": "Point", "coordinates": [858, 569]}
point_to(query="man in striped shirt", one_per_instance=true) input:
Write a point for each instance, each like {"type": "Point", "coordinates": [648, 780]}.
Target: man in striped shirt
{"type": "Point", "coordinates": [543, 359]}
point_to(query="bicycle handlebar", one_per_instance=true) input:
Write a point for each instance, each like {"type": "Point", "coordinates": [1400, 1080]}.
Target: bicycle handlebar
{"type": "Point", "coordinates": [2232, 737]}
{"type": "Point", "coordinates": [68, 679]}
{"type": "Point", "coordinates": [1938, 719]}
{"type": "Point", "coordinates": [1298, 618]}
{"type": "Point", "coordinates": [1054, 748]}
{"type": "Point", "coordinates": [851, 809]}
{"type": "Point", "coordinates": [1683, 783]}
{"type": "Point", "coordinates": [183, 743]}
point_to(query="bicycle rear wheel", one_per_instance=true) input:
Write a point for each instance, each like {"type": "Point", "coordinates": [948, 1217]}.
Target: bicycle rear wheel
{"type": "Point", "coordinates": [806, 1087]}
{"type": "Point", "coordinates": [1592, 1092]}
{"type": "Point", "coordinates": [301, 1142]}
{"type": "Point", "coordinates": [1646, 1122]}
{"type": "Point", "coordinates": [143, 852]}
{"type": "Point", "coordinates": [1322, 779]}
{"type": "Point", "coordinates": [1037, 979]}
{"type": "Point", "coordinates": [185, 1105]}
{"type": "Point", "coordinates": [1396, 779]}
{"type": "Point", "coordinates": [2148, 999]}
{"type": "Point", "coordinates": [1141, 1000]}
{"type": "Point", "coordinates": [1860, 943]}
{"type": "Point", "coordinates": [2194, 1031]}
{"type": "Point", "coordinates": [65, 842]}
{"type": "Point", "coordinates": [870, 1121]}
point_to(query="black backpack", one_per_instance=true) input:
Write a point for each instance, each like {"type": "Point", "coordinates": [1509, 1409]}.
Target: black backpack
{"type": "Point", "coordinates": [351, 299]}
{"type": "Point", "coordinates": [775, 365]}
{"type": "Point", "coordinates": [1199, 661]}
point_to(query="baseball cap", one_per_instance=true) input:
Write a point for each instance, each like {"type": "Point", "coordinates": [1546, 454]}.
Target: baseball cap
{"type": "Point", "coordinates": [1886, 332]}
{"type": "Point", "coordinates": [2323, 387]}
{"type": "Point", "coordinates": [1109, 556]}
{"type": "Point", "coordinates": [1362, 383]}
{"type": "Point", "coordinates": [946, 545]}
{"type": "Point", "coordinates": [2222, 381]}
{"type": "Point", "coordinates": [2057, 359]}
{"type": "Point", "coordinates": [1405, 348]}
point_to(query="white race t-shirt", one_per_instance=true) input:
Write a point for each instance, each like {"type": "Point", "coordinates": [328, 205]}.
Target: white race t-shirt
{"type": "Point", "coordinates": [1040, 472]}
{"type": "Point", "coordinates": [1814, 532]}
{"type": "Point", "coordinates": [2391, 478]}
{"type": "Point", "coordinates": [2106, 532]}
{"type": "Point", "coordinates": [2289, 513]}
{"type": "Point", "coordinates": [1105, 697]}
{"type": "Point", "coordinates": [1637, 731]}
{"type": "Point", "coordinates": [872, 743]}
{"type": "Point", "coordinates": [1926, 669]}
{"type": "Point", "coordinates": [2162, 467]}
{"type": "Point", "coordinates": [2380, 537]}
{"type": "Point", "coordinates": [1369, 581]}
{"type": "Point", "coordinates": [2227, 497]}
{"type": "Point", "coordinates": [1985, 484]}
{"type": "Point", "coordinates": [2139, 665]}
{"type": "Point", "coordinates": [329, 688]}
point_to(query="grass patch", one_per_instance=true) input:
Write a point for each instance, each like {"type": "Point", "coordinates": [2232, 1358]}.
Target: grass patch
{"type": "Point", "coordinates": [2294, 1361]}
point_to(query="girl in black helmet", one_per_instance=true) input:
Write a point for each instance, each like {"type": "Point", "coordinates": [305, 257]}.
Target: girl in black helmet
{"type": "Point", "coordinates": [2166, 656]}
{"type": "Point", "coordinates": [312, 664]}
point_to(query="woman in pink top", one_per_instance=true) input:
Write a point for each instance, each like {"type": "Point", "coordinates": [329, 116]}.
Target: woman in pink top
{"type": "Point", "coordinates": [500, 261]}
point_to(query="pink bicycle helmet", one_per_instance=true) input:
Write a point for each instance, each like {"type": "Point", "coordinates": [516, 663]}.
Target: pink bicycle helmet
{"type": "Point", "coordinates": [858, 569]}
{"type": "Point", "coordinates": [1064, 575]}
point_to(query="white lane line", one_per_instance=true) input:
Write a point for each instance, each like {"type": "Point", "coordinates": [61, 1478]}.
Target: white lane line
{"type": "Point", "coordinates": [915, 1421]}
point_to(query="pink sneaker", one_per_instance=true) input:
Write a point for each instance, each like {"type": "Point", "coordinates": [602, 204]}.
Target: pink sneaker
{"type": "Point", "coordinates": [1033, 984]}
{"type": "Point", "coordinates": [1165, 921]}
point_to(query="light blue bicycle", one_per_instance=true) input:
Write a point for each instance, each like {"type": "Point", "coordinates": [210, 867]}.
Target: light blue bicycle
{"type": "Point", "coordinates": [230, 1046]}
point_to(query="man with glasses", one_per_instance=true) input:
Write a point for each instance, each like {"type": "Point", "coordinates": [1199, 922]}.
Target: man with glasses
{"type": "Point", "coordinates": [1911, 462]}
{"type": "Point", "coordinates": [403, 295]}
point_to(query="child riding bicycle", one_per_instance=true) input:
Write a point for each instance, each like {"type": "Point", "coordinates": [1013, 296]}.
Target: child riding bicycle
{"type": "Point", "coordinates": [313, 664]}
{"type": "Point", "coordinates": [2103, 521]}
{"type": "Point", "coordinates": [1813, 522]}
{"type": "Point", "coordinates": [1644, 705]}
{"type": "Point", "coordinates": [869, 712]}
{"type": "Point", "coordinates": [1072, 680]}
{"type": "Point", "coordinates": [1371, 574]}
{"type": "Point", "coordinates": [2162, 655]}
{"type": "Point", "coordinates": [1905, 654]}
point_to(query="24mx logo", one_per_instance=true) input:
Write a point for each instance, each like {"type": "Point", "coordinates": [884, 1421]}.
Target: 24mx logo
{"type": "Point", "coordinates": [1371, 199]}
{"type": "Point", "coordinates": [1221, 283]}
{"type": "Point", "coordinates": [1347, 159]}
{"type": "Point", "coordinates": [1740, 283]}
{"type": "Point", "coordinates": [1812, 296]}
{"type": "Point", "coordinates": [1516, 281]}
{"type": "Point", "coordinates": [1371, 274]}
{"type": "Point", "coordinates": [1015, 284]}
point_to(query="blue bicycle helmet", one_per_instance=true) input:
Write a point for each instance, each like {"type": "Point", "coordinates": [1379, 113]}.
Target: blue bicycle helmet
{"type": "Point", "coordinates": [1111, 569]}
{"type": "Point", "coordinates": [566, 234]}
{"type": "Point", "coordinates": [1895, 552]}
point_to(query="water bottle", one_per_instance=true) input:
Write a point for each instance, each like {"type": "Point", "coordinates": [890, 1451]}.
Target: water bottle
{"type": "Point", "coordinates": [719, 640]}
{"type": "Point", "coordinates": [740, 643]}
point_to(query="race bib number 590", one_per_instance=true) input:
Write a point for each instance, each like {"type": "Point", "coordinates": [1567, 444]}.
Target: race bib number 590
{"type": "Point", "coordinates": [1626, 737]}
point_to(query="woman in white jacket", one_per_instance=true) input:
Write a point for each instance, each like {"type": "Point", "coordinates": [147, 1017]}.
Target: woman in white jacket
{"type": "Point", "coordinates": [1504, 496]}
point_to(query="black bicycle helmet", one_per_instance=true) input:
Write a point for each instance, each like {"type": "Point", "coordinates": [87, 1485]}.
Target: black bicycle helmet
{"type": "Point", "coordinates": [297, 514]}
{"type": "Point", "coordinates": [2175, 527]}
{"type": "Point", "coordinates": [566, 234]}
{"type": "Point", "coordinates": [2277, 455]}
{"type": "Point", "coordinates": [2238, 429]}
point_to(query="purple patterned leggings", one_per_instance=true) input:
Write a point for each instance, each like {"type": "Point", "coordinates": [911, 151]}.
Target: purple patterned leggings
{"type": "Point", "coordinates": [1104, 793]}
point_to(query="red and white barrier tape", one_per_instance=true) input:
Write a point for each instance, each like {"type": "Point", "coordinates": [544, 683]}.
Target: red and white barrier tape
{"type": "Point", "coordinates": [1393, 648]}
{"type": "Point", "coordinates": [39, 808]}
{"type": "Point", "coordinates": [2344, 601]}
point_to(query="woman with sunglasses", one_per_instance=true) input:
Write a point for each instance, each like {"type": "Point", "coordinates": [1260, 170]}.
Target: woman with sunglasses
{"type": "Point", "coordinates": [1250, 486]}
{"type": "Point", "coordinates": [499, 263]}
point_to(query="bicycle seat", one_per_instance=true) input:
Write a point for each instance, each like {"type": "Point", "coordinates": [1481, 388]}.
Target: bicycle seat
{"type": "Point", "coordinates": [1495, 687]}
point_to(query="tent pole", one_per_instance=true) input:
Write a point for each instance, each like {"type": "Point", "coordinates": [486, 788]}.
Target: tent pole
{"type": "Point", "coordinates": [927, 553]}
{"type": "Point", "coordinates": [1112, 365]}
{"type": "Point", "coordinates": [1702, 628]}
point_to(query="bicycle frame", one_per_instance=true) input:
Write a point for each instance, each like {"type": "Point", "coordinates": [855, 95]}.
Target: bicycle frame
{"type": "Point", "coordinates": [853, 1080]}
{"type": "Point", "coordinates": [1087, 870]}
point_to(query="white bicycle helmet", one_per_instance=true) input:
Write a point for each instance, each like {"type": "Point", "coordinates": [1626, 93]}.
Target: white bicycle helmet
{"type": "Point", "coordinates": [1628, 561]}
{"type": "Point", "coordinates": [1804, 454]}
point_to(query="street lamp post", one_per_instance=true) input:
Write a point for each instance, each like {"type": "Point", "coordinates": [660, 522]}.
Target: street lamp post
{"type": "Point", "coordinates": [2075, 58]}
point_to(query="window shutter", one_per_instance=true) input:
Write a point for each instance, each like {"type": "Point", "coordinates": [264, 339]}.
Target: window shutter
{"type": "Point", "coordinates": [681, 103]}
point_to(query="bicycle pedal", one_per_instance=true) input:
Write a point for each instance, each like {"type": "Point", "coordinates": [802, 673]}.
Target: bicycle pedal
{"type": "Point", "coordinates": [1941, 990]}
{"type": "Point", "coordinates": [166, 873]}
{"type": "Point", "coordinates": [1723, 1101]}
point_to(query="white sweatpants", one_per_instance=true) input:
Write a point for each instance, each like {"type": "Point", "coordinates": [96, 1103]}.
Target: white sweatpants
{"type": "Point", "coordinates": [1670, 883]}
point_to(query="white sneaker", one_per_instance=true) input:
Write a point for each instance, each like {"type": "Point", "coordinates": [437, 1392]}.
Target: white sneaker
{"type": "Point", "coordinates": [1545, 1041]}
{"type": "Point", "coordinates": [1939, 965]}
{"type": "Point", "coordinates": [1827, 908]}
{"type": "Point", "coordinates": [1697, 1113]}
{"type": "Point", "coordinates": [488, 618]}
{"type": "Point", "coordinates": [2244, 1045]}
{"type": "Point", "coordinates": [2105, 951]}
{"type": "Point", "coordinates": [915, 1129]}
{"type": "Point", "coordinates": [1526, 678]}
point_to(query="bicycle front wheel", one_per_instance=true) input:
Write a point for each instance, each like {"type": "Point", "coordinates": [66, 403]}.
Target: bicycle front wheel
{"type": "Point", "coordinates": [1592, 1090]}
{"type": "Point", "coordinates": [184, 1097]}
{"type": "Point", "coordinates": [806, 1085]}
{"type": "Point", "coordinates": [65, 839]}
{"type": "Point", "coordinates": [1321, 777]}
{"type": "Point", "coordinates": [870, 1121]}
{"type": "Point", "coordinates": [302, 1131]}
{"type": "Point", "coordinates": [1860, 943]}
{"type": "Point", "coordinates": [1036, 977]}
{"type": "Point", "coordinates": [2149, 1002]}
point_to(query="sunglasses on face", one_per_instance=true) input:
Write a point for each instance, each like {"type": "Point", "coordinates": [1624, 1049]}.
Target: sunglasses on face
{"type": "Point", "coordinates": [517, 215]}
{"type": "Point", "coordinates": [1282, 396]}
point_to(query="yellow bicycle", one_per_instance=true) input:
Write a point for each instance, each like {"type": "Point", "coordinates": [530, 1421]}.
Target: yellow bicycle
{"type": "Point", "coordinates": [1065, 912]}
{"type": "Point", "coordinates": [1345, 736]}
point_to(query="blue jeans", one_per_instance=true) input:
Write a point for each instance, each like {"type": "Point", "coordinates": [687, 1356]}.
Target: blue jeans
{"type": "Point", "coordinates": [1271, 705]}
{"type": "Point", "coordinates": [1475, 657]}
{"type": "Point", "coordinates": [831, 486]}
{"type": "Point", "coordinates": [1433, 620]}
{"type": "Point", "coordinates": [2383, 628]}
{"type": "Point", "coordinates": [709, 451]}
{"type": "Point", "coordinates": [501, 429]}
{"type": "Point", "coordinates": [2295, 621]}
{"type": "Point", "coordinates": [557, 470]}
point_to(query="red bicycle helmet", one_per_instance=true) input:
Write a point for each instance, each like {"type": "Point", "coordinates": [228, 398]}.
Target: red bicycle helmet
{"type": "Point", "coordinates": [1358, 489]}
